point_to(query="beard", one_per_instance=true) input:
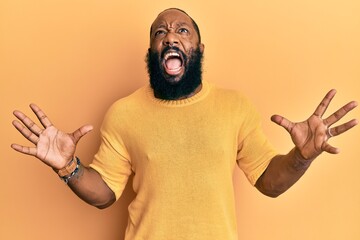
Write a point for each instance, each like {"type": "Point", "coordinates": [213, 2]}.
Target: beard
{"type": "Point", "coordinates": [168, 87]}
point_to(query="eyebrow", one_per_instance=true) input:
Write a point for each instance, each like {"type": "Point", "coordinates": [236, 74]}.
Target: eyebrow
{"type": "Point", "coordinates": [181, 24]}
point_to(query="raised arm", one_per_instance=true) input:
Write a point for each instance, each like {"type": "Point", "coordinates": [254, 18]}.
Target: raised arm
{"type": "Point", "coordinates": [56, 149]}
{"type": "Point", "coordinates": [311, 139]}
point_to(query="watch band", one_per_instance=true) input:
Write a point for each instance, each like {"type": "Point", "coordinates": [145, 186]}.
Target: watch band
{"type": "Point", "coordinates": [67, 177]}
{"type": "Point", "coordinates": [68, 169]}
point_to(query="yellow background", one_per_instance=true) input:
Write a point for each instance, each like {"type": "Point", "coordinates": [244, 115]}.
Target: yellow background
{"type": "Point", "coordinates": [75, 57]}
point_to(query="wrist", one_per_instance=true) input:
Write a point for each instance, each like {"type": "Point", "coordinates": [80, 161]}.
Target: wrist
{"type": "Point", "coordinates": [70, 170]}
{"type": "Point", "coordinates": [299, 162]}
{"type": "Point", "coordinates": [67, 169]}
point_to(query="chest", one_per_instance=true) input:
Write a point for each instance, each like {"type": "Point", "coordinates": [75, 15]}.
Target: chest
{"type": "Point", "coordinates": [169, 139]}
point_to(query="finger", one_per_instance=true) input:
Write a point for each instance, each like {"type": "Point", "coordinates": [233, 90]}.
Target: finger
{"type": "Point", "coordinates": [45, 121]}
{"type": "Point", "coordinates": [79, 133]}
{"type": "Point", "coordinates": [336, 116]}
{"type": "Point", "coordinates": [320, 110]}
{"type": "Point", "coordinates": [29, 135]}
{"type": "Point", "coordinates": [26, 150]}
{"type": "Point", "coordinates": [329, 134]}
{"type": "Point", "coordinates": [28, 122]}
{"type": "Point", "coordinates": [283, 122]}
{"type": "Point", "coordinates": [330, 149]}
{"type": "Point", "coordinates": [343, 127]}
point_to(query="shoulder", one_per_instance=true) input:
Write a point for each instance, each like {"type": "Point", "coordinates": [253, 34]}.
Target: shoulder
{"type": "Point", "coordinates": [128, 101]}
{"type": "Point", "coordinates": [124, 108]}
{"type": "Point", "coordinates": [231, 96]}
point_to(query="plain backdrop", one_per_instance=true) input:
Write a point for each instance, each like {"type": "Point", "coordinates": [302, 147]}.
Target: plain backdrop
{"type": "Point", "coordinates": [75, 57]}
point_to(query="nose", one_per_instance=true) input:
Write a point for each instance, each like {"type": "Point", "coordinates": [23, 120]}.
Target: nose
{"type": "Point", "coordinates": [171, 39]}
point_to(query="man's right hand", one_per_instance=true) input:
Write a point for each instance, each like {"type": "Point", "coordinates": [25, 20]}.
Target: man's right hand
{"type": "Point", "coordinates": [52, 146]}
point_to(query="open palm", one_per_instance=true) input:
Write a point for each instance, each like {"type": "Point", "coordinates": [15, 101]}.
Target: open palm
{"type": "Point", "coordinates": [311, 136]}
{"type": "Point", "coordinates": [52, 146]}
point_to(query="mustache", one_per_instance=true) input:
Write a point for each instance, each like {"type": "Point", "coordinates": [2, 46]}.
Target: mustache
{"type": "Point", "coordinates": [173, 48]}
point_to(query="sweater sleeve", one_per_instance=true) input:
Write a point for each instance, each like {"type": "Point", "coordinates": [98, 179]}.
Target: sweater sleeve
{"type": "Point", "coordinates": [254, 150]}
{"type": "Point", "coordinates": [112, 160]}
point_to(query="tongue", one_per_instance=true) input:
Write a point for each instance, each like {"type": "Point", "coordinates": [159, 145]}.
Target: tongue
{"type": "Point", "coordinates": [173, 63]}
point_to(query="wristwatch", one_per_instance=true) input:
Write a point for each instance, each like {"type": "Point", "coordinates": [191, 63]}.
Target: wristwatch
{"type": "Point", "coordinates": [69, 168]}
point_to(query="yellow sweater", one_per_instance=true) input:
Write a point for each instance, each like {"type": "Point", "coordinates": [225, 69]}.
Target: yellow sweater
{"type": "Point", "coordinates": [183, 154]}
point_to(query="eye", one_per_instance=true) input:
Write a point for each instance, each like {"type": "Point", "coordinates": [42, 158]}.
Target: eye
{"type": "Point", "coordinates": [183, 30]}
{"type": "Point", "coordinates": [159, 32]}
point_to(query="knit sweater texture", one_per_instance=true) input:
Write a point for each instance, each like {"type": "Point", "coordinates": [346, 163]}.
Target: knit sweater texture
{"type": "Point", "coordinates": [182, 154]}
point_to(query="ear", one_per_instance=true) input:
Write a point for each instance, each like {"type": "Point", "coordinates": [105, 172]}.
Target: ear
{"type": "Point", "coordinates": [202, 47]}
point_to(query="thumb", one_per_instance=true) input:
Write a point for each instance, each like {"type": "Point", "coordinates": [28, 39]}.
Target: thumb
{"type": "Point", "coordinates": [82, 131]}
{"type": "Point", "coordinates": [283, 122]}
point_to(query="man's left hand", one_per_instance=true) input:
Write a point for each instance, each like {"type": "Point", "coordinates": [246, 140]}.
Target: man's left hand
{"type": "Point", "coordinates": [311, 136]}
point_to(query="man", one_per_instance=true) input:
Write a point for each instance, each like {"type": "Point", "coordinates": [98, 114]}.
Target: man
{"type": "Point", "coordinates": [182, 138]}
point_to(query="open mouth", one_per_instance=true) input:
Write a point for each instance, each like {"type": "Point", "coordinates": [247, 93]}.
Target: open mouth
{"type": "Point", "coordinates": [173, 63]}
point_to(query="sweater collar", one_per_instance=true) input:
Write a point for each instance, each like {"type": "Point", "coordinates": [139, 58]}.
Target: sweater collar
{"type": "Point", "coordinates": [182, 102]}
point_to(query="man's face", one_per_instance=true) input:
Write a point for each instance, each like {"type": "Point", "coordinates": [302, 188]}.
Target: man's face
{"type": "Point", "coordinates": [173, 28]}
{"type": "Point", "coordinates": [174, 58]}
